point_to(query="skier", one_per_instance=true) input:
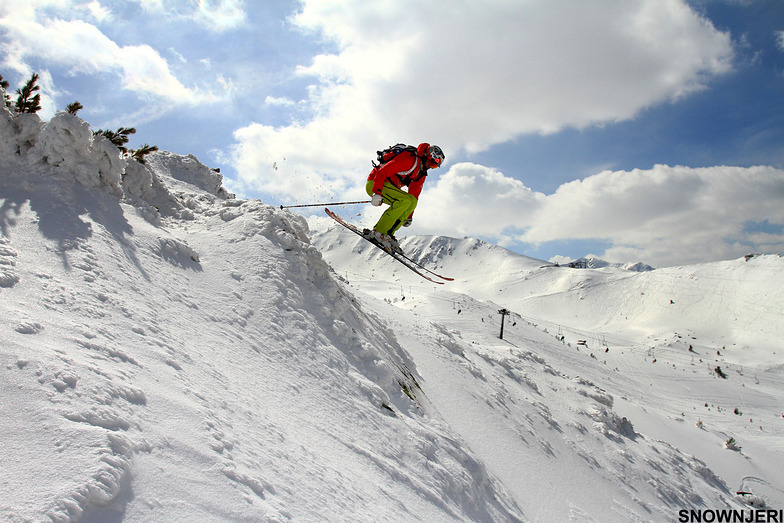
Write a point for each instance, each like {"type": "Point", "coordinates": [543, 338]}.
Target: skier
{"type": "Point", "coordinates": [384, 185]}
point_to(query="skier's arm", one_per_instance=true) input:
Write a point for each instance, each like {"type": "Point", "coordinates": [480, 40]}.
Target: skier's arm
{"type": "Point", "coordinates": [400, 165]}
{"type": "Point", "coordinates": [416, 187]}
{"type": "Point", "coordinates": [414, 190]}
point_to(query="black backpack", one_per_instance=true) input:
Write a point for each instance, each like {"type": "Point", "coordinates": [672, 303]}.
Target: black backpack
{"type": "Point", "coordinates": [392, 151]}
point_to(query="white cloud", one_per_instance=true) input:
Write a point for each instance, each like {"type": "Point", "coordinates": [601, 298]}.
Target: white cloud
{"type": "Point", "coordinates": [780, 40]}
{"type": "Point", "coordinates": [662, 216]}
{"type": "Point", "coordinates": [214, 15]}
{"type": "Point", "coordinates": [471, 199]}
{"type": "Point", "coordinates": [221, 15]}
{"type": "Point", "coordinates": [480, 73]}
{"type": "Point", "coordinates": [98, 12]}
{"type": "Point", "coordinates": [278, 169]}
{"type": "Point", "coordinates": [85, 49]}
{"type": "Point", "coordinates": [178, 55]}
{"type": "Point", "coordinates": [285, 102]}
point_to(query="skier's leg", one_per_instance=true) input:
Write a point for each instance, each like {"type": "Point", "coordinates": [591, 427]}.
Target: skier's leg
{"type": "Point", "coordinates": [412, 203]}
{"type": "Point", "coordinates": [401, 205]}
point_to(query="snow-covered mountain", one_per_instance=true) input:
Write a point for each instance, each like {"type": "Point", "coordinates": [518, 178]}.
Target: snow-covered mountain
{"type": "Point", "coordinates": [592, 262]}
{"type": "Point", "coordinates": [171, 353]}
{"type": "Point", "coordinates": [688, 358]}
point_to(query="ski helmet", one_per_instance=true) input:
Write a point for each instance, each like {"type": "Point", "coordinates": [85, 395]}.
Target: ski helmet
{"type": "Point", "coordinates": [435, 153]}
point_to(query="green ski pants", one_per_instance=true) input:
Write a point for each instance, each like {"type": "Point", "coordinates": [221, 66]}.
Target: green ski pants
{"type": "Point", "coordinates": [401, 205]}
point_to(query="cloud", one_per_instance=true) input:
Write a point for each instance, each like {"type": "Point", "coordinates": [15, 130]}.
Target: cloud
{"type": "Point", "coordinates": [482, 73]}
{"type": "Point", "coordinates": [31, 32]}
{"type": "Point", "coordinates": [98, 12]}
{"type": "Point", "coordinates": [214, 15]}
{"type": "Point", "coordinates": [221, 15]}
{"type": "Point", "coordinates": [475, 200]}
{"type": "Point", "coordinates": [286, 167]}
{"type": "Point", "coordinates": [177, 55]}
{"type": "Point", "coordinates": [273, 100]}
{"type": "Point", "coordinates": [664, 215]}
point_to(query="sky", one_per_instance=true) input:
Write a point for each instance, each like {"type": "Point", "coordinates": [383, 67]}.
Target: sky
{"type": "Point", "coordinates": [646, 130]}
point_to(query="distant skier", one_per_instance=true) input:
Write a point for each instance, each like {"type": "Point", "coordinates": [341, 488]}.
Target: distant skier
{"type": "Point", "coordinates": [406, 167]}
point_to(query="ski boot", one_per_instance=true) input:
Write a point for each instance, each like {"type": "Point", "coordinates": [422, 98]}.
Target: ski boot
{"type": "Point", "coordinates": [382, 240]}
{"type": "Point", "coordinates": [394, 244]}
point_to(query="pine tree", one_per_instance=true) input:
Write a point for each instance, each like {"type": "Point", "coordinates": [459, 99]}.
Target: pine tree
{"type": "Point", "coordinates": [143, 151]}
{"type": "Point", "coordinates": [27, 102]}
{"type": "Point", "coordinates": [118, 137]}
{"type": "Point", "coordinates": [74, 108]}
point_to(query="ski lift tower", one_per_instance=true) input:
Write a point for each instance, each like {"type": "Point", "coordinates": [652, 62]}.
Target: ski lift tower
{"type": "Point", "coordinates": [503, 313]}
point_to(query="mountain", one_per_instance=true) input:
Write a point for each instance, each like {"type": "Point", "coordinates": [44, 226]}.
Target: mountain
{"type": "Point", "coordinates": [592, 262]}
{"type": "Point", "coordinates": [688, 357]}
{"type": "Point", "coordinates": [172, 353]}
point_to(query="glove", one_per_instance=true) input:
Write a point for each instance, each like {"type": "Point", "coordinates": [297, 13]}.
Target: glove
{"type": "Point", "coordinates": [377, 200]}
{"type": "Point", "coordinates": [408, 222]}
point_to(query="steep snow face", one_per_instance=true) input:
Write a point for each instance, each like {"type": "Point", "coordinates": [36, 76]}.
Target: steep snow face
{"type": "Point", "coordinates": [184, 172]}
{"type": "Point", "coordinates": [555, 440]}
{"type": "Point", "coordinates": [176, 354]}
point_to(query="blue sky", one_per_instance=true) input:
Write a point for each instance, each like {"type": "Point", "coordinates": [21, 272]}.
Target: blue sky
{"type": "Point", "coordinates": [650, 130]}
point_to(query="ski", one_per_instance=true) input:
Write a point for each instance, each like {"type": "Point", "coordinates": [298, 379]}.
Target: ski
{"type": "Point", "coordinates": [406, 257]}
{"type": "Point", "coordinates": [402, 259]}
{"type": "Point", "coordinates": [425, 268]}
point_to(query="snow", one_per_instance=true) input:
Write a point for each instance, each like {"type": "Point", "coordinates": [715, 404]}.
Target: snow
{"type": "Point", "coordinates": [171, 353]}
{"type": "Point", "coordinates": [605, 384]}
{"type": "Point", "coordinates": [592, 262]}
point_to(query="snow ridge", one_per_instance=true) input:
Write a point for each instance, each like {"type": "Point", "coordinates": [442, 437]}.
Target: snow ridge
{"type": "Point", "coordinates": [592, 262]}
{"type": "Point", "coordinates": [168, 352]}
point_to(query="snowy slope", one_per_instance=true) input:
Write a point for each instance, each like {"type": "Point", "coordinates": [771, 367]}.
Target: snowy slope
{"type": "Point", "coordinates": [171, 353]}
{"type": "Point", "coordinates": [168, 353]}
{"type": "Point", "coordinates": [586, 341]}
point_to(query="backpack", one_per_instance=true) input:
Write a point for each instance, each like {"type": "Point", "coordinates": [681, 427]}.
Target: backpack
{"type": "Point", "coordinates": [392, 151]}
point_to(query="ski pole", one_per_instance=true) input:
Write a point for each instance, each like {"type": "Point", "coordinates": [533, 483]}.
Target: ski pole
{"type": "Point", "coordinates": [320, 204]}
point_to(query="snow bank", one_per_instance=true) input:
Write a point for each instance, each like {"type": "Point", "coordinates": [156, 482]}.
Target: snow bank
{"type": "Point", "coordinates": [188, 171]}
{"type": "Point", "coordinates": [8, 277]}
{"type": "Point", "coordinates": [9, 145]}
{"type": "Point", "coordinates": [65, 146]}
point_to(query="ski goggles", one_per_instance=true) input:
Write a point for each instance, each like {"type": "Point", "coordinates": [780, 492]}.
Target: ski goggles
{"type": "Point", "coordinates": [436, 154]}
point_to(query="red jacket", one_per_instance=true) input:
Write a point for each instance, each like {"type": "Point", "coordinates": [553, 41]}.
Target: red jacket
{"type": "Point", "coordinates": [403, 169]}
